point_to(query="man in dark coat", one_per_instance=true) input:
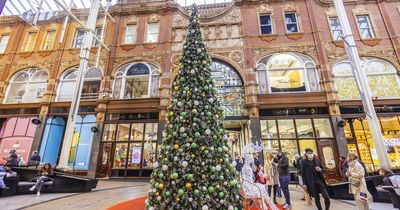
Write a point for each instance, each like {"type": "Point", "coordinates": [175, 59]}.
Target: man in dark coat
{"type": "Point", "coordinates": [284, 177]}
{"type": "Point", "coordinates": [312, 173]}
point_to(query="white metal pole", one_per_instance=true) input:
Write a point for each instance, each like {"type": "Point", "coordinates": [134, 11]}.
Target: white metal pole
{"type": "Point", "coordinates": [362, 84]}
{"type": "Point", "coordinates": [102, 36]}
{"type": "Point", "coordinates": [84, 56]}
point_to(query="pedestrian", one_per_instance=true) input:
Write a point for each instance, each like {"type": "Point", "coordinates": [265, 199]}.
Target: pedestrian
{"type": "Point", "coordinates": [12, 158]}
{"type": "Point", "coordinates": [386, 173]}
{"type": "Point", "coordinates": [2, 176]}
{"type": "Point", "coordinates": [34, 160]}
{"type": "Point", "coordinates": [272, 175]}
{"type": "Point", "coordinates": [343, 167]}
{"type": "Point", "coordinates": [45, 174]}
{"type": "Point", "coordinates": [357, 183]}
{"type": "Point", "coordinates": [21, 161]}
{"type": "Point", "coordinates": [256, 166]}
{"type": "Point", "coordinates": [314, 184]}
{"type": "Point", "coordinates": [299, 177]}
{"type": "Point", "coordinates": [239, 162]}
{"type": "Point", "coordinates": [284, 177]}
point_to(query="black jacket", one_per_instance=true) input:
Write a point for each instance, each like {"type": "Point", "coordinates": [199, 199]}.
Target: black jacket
{"type": "Point", "coordinates": [386, 179]}
{"type": "Point", "coordinates": [309, 175]}
{"type": "Point", "coordinates": [283, 166]}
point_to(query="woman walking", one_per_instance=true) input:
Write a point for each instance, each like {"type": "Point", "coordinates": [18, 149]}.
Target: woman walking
{"type": "Point", "coordinates": [357, 184]}
{"type": "Point", "coordinates": [272, 175]}
{"type": "Point", "coordinates": [45, 175]}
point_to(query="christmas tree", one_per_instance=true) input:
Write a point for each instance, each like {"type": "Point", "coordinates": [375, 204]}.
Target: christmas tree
{"type": "Point", "coordinates": [194, 169]}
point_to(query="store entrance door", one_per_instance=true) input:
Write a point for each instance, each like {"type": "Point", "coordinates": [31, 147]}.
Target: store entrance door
{"type": "Point", "coordinates": [104, 162]}
{"type": "Point", "coordinates": [327, 151]}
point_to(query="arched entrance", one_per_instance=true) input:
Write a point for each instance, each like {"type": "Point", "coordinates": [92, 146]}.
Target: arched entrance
{"type": "Point", "coordinates": [231, 95]}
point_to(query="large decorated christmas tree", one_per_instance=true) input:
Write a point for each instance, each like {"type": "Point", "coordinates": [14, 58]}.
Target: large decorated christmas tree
{"type": "Point", "coordinates": [194, 169]}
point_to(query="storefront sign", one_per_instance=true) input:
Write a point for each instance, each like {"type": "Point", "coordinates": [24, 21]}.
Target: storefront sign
{"type": "Point", "coordinates": [136, 154]}
{"type": "Point", "coordinates": [294, 111]}
{"type": "Point", "coordinates": [133, 116]}
{"type": "Point", "coordinates": [360, 109]}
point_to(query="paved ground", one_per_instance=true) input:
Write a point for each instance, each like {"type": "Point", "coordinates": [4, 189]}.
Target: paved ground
{"type": "Point", "coordinates": [111, 192]}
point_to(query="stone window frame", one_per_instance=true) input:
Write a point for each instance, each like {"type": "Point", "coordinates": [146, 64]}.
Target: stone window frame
{"type": "Point", "coordinates": [330, 27]}
{"type": "Point", "coordinates": [74, 38]}
{"type": "Point", "coordinates": [125, 30]}
{"type": "Point", "coordinates": [366, 12]}
{"type": "Point", "coordinates": [298, 21]}
{"type": "Point", "coordinates": [266, 10]}
{"type": "Point", "coordinates": [43, 42]}
{"type": "Point", "coordinates": [24, 43]}
{"type": "Point", "coordinates": [152, 19]}
{"type": "Point", "coordinates": [8, 42]}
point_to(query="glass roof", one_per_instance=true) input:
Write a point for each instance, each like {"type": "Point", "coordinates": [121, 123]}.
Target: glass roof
{"type": "Point", "coordinates": [19, 7]}
{"type": "Point", "coordinates": [185, 3]}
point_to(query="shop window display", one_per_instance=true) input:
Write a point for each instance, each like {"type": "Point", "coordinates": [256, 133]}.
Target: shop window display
{"type": "Point", "coordinates": [378, 72]}
{"type": "Point", "coordinates": [82, 139]}
{"type": "Point", "coordinates": [27, 86]}
{"type": "Point", "coordinates": [135, 147]}
{"type": "Point", "coordinates": [17, 133]}
{"type": "Point", "coordinates": [51, 139]}
{"type": "Point", "coordinates": [287, 72]}
{"type": "Point", "coordinates": [293, 136]}
{"type": "Point", "coordinates": [90, 88]}
{"type": "Point", "coordinates": [136, 80]}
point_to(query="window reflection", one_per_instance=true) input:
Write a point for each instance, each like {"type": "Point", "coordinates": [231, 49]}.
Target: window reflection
{"type": "Point", "coordinates": [323, 128]}
{"type": "Point", "coordinates": [286, 129]}
{"type": "Point", "coordinates": [304, 128]}
{"type": "Point", "coordinates": [137, 131]}
{"type": "Point", "coordinates": [123, 132]}
{"type": "Point", "coordinates": [304, 144]}
{"type": "Point", "coordinates": [269, 129]}
{"type": "Point", "coordinates": [121, 150]}
{"type": "Point", "coordinates": [290, 148]}
{"type": "Point", "coordinates": [329, 157]}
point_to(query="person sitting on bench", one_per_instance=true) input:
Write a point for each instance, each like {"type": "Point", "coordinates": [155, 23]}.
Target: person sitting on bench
{"type": "Point", "coordinates": [5, 171]}
{"type": "Point", "coordinates": [45, 174]}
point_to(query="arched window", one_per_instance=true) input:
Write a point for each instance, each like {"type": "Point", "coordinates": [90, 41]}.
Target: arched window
{"type": "Point", "coordinates": [230, 90]}
{"type": "Point", "coordinates": [136, 80]}
{"type": "Point", "coordinates": [287, 72]}
{"type": "Point", "coordinates": [90, 89]}
{"type": "Point", "coordinates": [382, 79]}
{"type": "Point", "coordinates": [27, 86]}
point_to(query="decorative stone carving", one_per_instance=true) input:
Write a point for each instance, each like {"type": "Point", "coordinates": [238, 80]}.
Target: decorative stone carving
{"type": "Point", "coordinates": [310, 50]}
{"type": "Point", "coordinates": [264, 8]}
{"type": "Point", "coordinates": [236, 56]}
{"type": "Point", "coordinates": [179, 20]}
{"type": "Point", "coordinates": [233, 16]}
{"type": "Point", "coordinates": [289, 6]}
{"type": "Point", "coordinates": [132, 19]}
{"type": "Point", "coordinates": [153, 18]}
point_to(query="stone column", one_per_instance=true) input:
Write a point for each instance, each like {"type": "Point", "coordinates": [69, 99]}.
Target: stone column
{"type": "Point", "coordinates": [94, 154]}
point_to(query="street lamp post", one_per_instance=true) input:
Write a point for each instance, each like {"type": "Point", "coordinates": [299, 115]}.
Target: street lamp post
{"type": "Point", "coordinates": [362, 84]}
{"type": "Point", "coordinates": [84, 58]}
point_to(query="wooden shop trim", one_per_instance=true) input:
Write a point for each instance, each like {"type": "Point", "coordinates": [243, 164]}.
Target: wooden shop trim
{"type": "Point", "coordinates": [68, 103]}
{"type": "Point", "coordinates": [133, 104]}
{"type": "Point", "coordinates": [375, 101]}
{"type": "Point", "coordinates": [292, 99]}
{"type": "Point", "coordinates": [295, 36]}
{"type": "Point", "coordinates": [20, 106]}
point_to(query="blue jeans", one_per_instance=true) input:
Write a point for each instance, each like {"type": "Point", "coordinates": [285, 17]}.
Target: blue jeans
{"type": "Point", "coordinates": [284, 181]}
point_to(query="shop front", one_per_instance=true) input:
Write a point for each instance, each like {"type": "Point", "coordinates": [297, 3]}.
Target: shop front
{"type": "Point", "coordinates": [128, 146]}
{"type": "Point", "coordinates": [52, 138]}
{"type": "Point", "coordinates": [16, 133]}
{"type": "Point", "coordinates": [294, 129]}
{"type": "Point", "coordinates": [359, 138]}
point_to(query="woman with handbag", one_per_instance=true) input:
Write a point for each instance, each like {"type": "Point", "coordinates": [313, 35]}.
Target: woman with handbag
{"type": "Point", "coordinates": [357, 183]}
{"type": "Point", "coordinates": [272, 175]}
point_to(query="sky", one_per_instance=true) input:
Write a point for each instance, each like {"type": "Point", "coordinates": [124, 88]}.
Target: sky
{"type": "Point", "coordinates": [16, 7]}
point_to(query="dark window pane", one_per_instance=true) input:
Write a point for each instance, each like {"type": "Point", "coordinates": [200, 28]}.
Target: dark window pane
{"type": "Point", "coordinates": [292, 28]}
{"type": "Point", "coordinates": [266, 30]}
{"type": "Point", "coordinates": [265, 19]}
{"type": "Point", "coordinates": [290, 18]}
{"type": "Point", "coordinates": [138, 69]}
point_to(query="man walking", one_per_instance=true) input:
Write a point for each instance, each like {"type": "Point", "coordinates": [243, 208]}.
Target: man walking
{"type": "Point", "coordinates": [313, 180]}
{"type": "Point", "coordinates": [284, 177]}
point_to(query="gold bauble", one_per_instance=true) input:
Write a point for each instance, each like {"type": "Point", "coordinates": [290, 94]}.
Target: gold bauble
{"type": "Point", "coordinates": [188, 185]}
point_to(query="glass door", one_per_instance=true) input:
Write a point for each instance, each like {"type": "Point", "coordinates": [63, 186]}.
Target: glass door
{"type": "Point", "coordinates": [103, 164]}
{"type": "Point", "coordinates": [329, 160]}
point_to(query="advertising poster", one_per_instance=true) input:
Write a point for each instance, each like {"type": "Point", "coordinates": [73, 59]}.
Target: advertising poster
{"type": "Point", "coordinates": [136, 154]}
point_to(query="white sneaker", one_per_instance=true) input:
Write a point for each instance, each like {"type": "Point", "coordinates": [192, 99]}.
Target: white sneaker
{"type": "Point", "coordinates": [38, 193]}
{"type": "Point", "coordinates": [287, 206]}
{"type": "Point", "coordinates": [32, 188]}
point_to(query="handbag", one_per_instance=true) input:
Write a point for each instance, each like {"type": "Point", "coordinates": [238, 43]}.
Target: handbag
{"type": "Point", "coordinates": [354, 181]}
